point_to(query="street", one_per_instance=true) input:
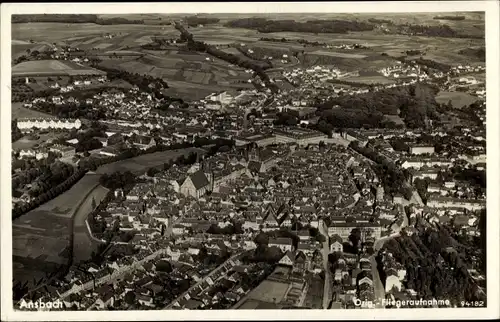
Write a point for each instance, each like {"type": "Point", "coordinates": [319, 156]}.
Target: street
{"type": "Point", "coordinates": [378, 286]}
{"type": "Point", "coordinates": [328, 278]}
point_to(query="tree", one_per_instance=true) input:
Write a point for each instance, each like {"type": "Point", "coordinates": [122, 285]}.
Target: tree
{"type": "Point", "coordinates": [261, 239]}
{"type": "Point", "coordinates": [355, 237]}
{"type": "Point", "coordinates": [321, 238]}
{"type": "Point", "coordinates": [164, 266]}
{"type": "Point", "coordinates": [130, 297]}
{"type": "Point", "coordinates": [94, 204]}
{"type": "Point", "coordinates": [152, 171]}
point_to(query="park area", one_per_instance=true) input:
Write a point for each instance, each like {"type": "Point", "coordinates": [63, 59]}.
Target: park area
{"type": "Point", "coordinates": [458, 99]}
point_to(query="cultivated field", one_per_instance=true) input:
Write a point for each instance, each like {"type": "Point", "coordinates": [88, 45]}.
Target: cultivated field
{"type": "Point", "coordinates": [338, 54]}
{"type": "Point", "coordinates": [52, 67]}
{"type": "Point", "coordinates": [42, 236]}
{"type": "Point", "coordinates": [191, 76]}
{"type": "Point", "coordinates": [369, 80]}
{"type": "Point", "coordinates": [458, 99]}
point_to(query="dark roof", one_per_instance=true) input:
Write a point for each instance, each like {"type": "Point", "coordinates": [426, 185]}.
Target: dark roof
{"type": "Point", "coordinates": [254, 166]}
{"type": "Point", "coordinates": [281, 241]}
{"type": "Point", "coordinates": [141, 139]}
{"type": "Point", "coordinates": [335, 238]}
{"type": "Point", "coordinates": [266, 155]}
{"type": "Point", "coordinates": [199, 179]}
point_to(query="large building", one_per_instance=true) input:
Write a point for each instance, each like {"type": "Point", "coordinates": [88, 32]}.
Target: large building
{"type": "Point", "coordinates": [344, 229]}
{"type": "Point", "coordinates": [65, 151]}
{"type": "Point", "coordinates": [196, 185]}
{"type": "Point", "coordinates": [446, 202]}
{"type": "Point", "coordinates": [422, 149]}
{"type": "Point", "coordinates": [301, 136]}
{"type": "Point", "coordinates": [258, 139]}
{"type": "Point", "coordinates": [48, 123]}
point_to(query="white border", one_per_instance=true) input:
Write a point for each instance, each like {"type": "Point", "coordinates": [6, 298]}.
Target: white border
{"type": "Point", "coordinates": [493, 134]}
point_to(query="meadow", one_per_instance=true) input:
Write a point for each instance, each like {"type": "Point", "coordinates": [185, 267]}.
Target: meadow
{"type": "Point", "coordinates": [369, 80]}
{"type": "Point", "coordinates": [52, 67]}
{"type": "Point", "coordinates": [458, 99]}
{"type": "Point", "coordinates": [143, 162]}
{"type": "Point", "coordinates": [43, 235]}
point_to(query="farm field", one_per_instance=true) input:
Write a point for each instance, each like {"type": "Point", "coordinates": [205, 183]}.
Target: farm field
{"type": "Point", "coordinates": [337, 54]}
{"type": "Point", "coordinates": [43, 234]}
{"type": "Point", "coordinates": [369, 80]}
{"type": "Point", "coordinates": [52, 67]}
{"type": "Point", "coordinates": [178, 67]}
{"type": "Point", "coordinates": [190, 76]}
{"type": "Point", "coordinates": [458, 99]}
{"type": "Point", "coordinates": [143, 162]}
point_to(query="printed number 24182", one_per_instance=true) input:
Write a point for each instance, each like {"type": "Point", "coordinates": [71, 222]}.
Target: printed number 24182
{"type": "Point", "coordinates": [472, 303]}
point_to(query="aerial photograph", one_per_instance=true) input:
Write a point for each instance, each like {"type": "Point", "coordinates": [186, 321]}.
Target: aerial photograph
{"type": "Point", "coordinates": [248, 161]}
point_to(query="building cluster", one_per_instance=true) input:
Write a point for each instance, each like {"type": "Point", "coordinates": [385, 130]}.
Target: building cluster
{"type": "Point", "coordinates": [25, 124]}
{"type": "Point", "coordinates": [219, 206]}
{"type": "Point", "coordinates": [408, 71]}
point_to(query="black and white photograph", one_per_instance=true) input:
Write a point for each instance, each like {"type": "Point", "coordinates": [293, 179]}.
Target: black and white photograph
{"type": "Point", "coordinates": [246, 156]}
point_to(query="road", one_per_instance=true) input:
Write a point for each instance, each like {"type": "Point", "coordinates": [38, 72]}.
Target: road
{"type": "Point", "coordinates": [328, 278]}
{"type": "Point", "coordinates": [83, 240]}
{"type": "Point", "coordinates": [415, 196]}
{"type": "Point", "coordinates": [378, 286]}
{"type": "Point", "coordinates": [169, 306]}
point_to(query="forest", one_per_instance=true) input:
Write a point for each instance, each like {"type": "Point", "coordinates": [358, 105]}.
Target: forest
{"type": "Point", "coordinates": [194, 21]}
{"type": "Point", "coordinates": [73, 18]}
{"type": "Point", "coordinates": [379, 21]}
{"type": "Point", "coordinates": [414, 104]}
{"type": "Point", "coordinates": [444, 31]}
{"type": "Point", "coordinates": [437, 263]}
{"type": "Point", "coordinates": [313, 26]}
{"type": "Point", "coordinates": [453, 18]}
